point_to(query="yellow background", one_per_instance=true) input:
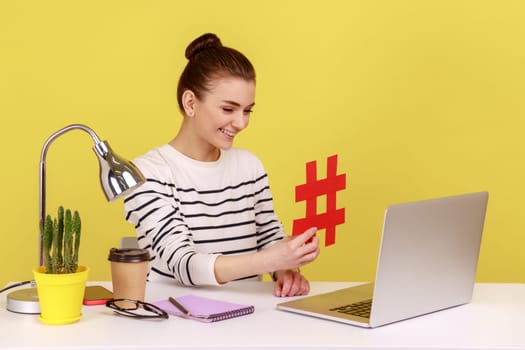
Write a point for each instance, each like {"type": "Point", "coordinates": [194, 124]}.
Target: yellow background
{"type": "Point", "coordinates": [419, 99]}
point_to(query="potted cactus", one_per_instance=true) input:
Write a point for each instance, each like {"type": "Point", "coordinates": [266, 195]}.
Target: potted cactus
{"type": "Point", "coordinates": [61, 281]}
{"type": "Point", "coordinates": [61, 241]}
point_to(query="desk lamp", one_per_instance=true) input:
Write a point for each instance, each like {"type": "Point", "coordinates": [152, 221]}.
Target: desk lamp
{"type": "Point", "coordinates": [118, 177]}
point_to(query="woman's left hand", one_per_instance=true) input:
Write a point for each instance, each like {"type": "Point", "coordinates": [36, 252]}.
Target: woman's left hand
{"type": "Point", "coordinates": [290, 283]}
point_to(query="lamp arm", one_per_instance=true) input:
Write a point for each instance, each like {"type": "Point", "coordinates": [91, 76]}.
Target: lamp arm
{"type": "Point", "coordinates": [42, 178]}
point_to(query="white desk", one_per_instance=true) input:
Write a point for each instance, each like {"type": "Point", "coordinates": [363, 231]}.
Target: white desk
{"type": "Point", "coordinates": [494, 320]}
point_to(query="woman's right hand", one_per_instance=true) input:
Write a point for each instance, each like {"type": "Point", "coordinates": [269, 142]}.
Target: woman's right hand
{"type": "Point", "coordinates": [293, 252]}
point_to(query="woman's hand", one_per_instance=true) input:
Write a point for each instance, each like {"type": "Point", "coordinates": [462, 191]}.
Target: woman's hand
{"type": "Point", "coordinates": [293, 252]}
{"type": "Point", "coordinates": [289, 283]}
{"type": "Point", "coordinates": [288, 255]}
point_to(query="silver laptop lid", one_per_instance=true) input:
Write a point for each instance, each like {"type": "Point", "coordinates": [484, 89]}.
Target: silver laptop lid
{"type": "Point", "coordinates": [428, 256]}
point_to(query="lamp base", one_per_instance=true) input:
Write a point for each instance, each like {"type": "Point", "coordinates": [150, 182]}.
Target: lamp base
{"type": "Point", "coordinates": [23, 301]}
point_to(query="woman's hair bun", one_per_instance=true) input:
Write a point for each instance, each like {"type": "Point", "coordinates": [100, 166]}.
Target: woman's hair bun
{"type": "Point", "coordinates": [203, 42]}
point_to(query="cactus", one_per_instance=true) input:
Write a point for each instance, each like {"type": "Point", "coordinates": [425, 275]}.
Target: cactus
{"type": "Point", "coordinates": [61, 242]}
{"type": "Point", "coordinates": [55, 248]}
{"type": "Point", "coordinates": [60, 237]}
{"type": "Point", "coordinates": [47, 242]}
{"type": "Point", "coordinates": [68, 242]}
{"type": "Point", "coordinates": [76, 231]}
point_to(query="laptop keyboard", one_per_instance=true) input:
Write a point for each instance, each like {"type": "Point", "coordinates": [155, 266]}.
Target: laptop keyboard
{"type": "Point", "coordinates": [361, 308]}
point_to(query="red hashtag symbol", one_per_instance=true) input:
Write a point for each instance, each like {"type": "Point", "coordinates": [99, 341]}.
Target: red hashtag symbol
{"type": "Point", "coordinates": [314, 188]}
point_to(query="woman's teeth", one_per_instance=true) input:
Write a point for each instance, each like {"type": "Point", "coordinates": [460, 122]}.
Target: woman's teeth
{"type": "Point", "coordinates": [229, 133]}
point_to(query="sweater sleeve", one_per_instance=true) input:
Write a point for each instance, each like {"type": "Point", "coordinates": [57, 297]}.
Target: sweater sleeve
{"type": "Point", "coordinates": [154, 211]}
{"type": "Point", "coordinates": [269, 228]}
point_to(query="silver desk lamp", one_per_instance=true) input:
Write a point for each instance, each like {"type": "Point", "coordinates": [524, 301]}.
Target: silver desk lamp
{"type": "Point", "coordinates": [118, 177]}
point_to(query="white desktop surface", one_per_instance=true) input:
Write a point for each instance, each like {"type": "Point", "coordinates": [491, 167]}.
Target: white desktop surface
{"type": "Point", "coordinates": [495, 319]}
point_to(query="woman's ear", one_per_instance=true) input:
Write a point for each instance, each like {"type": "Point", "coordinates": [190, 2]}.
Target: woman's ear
{"type": "Point", "coordinates": [188, 102]}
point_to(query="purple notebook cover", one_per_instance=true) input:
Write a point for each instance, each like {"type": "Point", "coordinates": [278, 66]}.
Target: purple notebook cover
{"type": "Point", "coordinates": [205, 309]}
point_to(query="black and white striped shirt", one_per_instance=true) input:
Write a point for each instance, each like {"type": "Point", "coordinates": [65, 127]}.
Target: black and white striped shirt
{"type": "Point", "coordinates": [188, 212]}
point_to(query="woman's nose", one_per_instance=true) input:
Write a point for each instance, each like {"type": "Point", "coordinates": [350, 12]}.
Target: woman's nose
{"type": "Point", "coordinates": [241, 121]}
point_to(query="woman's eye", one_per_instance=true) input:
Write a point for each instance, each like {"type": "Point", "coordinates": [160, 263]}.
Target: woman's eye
{"type": "Point", "coordinates": [228, 110]}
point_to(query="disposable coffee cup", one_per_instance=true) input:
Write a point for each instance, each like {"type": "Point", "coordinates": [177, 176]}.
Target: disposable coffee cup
{"type": "Point", "coordinates": [129, 270]}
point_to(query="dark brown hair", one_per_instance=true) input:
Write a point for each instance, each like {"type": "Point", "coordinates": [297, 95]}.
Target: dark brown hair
{"type": "Point", "coordinates": [209, 60]}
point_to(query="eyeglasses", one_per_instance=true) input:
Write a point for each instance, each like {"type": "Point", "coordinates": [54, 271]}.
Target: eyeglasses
{"type": "Point", "coordinates": [136, 309]}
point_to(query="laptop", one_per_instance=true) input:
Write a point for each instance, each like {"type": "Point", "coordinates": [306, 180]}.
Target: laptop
{"type": "Point", "coordinates": [427, 262]}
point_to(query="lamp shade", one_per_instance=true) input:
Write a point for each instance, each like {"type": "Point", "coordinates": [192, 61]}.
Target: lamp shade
{"type": "Point", "coordinates": [117, 175]}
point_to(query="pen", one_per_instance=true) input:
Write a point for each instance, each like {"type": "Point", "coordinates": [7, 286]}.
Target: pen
{"type": "Point", "coordinates": [179, 306]}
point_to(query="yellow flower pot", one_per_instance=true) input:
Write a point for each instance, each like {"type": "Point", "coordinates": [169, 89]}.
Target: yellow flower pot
{"type": "Point", "coordinates": [60, 295]}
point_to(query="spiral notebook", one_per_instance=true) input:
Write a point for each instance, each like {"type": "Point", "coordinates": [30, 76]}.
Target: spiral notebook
{"type": "Point", "coordinates": [205, 309]}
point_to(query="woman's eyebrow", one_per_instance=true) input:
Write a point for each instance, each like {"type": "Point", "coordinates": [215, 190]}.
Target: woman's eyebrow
{"type": "Point", "coordinates": [237, 104]}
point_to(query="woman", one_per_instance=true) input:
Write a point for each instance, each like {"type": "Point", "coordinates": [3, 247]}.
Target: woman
{"type": "Point", "coordinates": [206, 211]}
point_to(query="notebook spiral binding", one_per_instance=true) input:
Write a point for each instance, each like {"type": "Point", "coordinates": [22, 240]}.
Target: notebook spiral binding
{"type": "Point", "coordinates": [230, 314]}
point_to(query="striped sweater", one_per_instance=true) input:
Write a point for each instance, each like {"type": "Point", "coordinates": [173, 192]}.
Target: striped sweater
{"type": "Point", "coordinates": [189, 212]}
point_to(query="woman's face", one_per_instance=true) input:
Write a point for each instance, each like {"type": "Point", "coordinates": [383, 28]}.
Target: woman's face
{"type": "Point", "coordinates": [224, 111]}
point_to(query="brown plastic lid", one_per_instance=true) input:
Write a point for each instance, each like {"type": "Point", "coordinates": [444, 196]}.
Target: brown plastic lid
{"type": "Point", "coordinates": [128, 255]}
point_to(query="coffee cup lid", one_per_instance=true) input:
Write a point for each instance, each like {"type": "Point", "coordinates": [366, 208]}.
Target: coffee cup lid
{"type": "Point", "coordinates": [128, 255]}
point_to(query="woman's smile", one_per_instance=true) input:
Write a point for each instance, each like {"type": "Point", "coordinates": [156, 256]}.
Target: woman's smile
{"type": "Point", "coordinates": [228, 133]}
